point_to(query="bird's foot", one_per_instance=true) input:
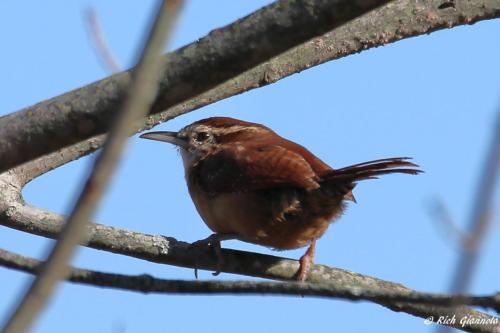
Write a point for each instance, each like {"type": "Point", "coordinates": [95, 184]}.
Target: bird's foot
{"type": "Point", "coordinates": [306, 261]}
{"type": "Point", "coordinates": [214, 242]}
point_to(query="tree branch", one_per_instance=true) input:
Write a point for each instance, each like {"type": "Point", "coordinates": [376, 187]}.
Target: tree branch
{"type": "Point", "coordinates": [99, 43]}
{"type": "Point", "coordinates": [189, 71]}
{"type": "Point", "coordinates": [141, 94]}
{"type": "Point", "coordinates": [479, 221]}
{"type": "Point", "coordinates": [148, 284]}
{"type": "Point", "coordinates": [399, 20]}
{"type": "Point", "coordinates": [167, 250]}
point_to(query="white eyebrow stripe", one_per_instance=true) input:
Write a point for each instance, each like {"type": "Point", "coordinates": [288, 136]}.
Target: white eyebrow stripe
{"type": "Point", "coordinates": [224, 130]}
{"type": "Point", "coordinates": [234, 129]}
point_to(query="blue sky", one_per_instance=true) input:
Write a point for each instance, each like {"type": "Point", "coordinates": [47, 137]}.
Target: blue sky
{"type": "Point", "coordinates": [432, 97]}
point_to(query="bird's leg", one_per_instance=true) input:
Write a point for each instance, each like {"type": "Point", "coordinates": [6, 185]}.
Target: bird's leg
{"type": "Point", "coordinates": [305, 261]}
{"type": "Point", "coordinates": [214, 241]}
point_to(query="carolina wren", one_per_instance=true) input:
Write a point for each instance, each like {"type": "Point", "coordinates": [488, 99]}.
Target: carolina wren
{"type": "Point", "coordinates": [249, 183]}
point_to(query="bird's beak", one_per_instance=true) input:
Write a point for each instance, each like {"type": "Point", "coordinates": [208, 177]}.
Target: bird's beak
{"type": "Point", "coordinates": [170, 137]}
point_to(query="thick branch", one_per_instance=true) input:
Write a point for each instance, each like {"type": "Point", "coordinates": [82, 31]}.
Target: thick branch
{"type": "Point", "coordinates": [148, 284]}
{"type": "Point", "coordinates": [167, 250]}
{"type": "Point", "coordinates": [401, 19]}
{"type": "Point", "coordinates": [189, 71]}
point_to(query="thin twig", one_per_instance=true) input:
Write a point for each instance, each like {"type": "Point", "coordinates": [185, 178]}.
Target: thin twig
{"type": "Point", "coordinates": [148, 284]}
{"type": "Point", "coordinates": [440, 214]}
{"type": "Point", "coordinates": [141, 95]}
{"type": "Point", "coordinates": [479, 221]}
{"type": "Point", "coordinates": [99, 43]}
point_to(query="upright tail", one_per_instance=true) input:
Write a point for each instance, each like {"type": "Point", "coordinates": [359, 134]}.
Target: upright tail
{"type": "Point", "coordinates": [343, 180]}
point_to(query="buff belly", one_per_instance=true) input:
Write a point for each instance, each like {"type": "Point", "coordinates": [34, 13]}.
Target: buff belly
{"type": "Point", "coordinates": [276, 218]}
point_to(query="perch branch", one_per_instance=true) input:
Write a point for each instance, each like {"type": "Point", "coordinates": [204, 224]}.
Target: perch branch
{"type": "Point", "coordinates": [167, 250]}
{"type": "Point", "coordinates": [398, 20]}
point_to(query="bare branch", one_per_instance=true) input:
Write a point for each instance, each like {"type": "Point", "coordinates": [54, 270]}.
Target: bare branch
{"type": "Point", "coordinates": [440, 214]}
{"type": "Point", "coordinates": [480, 221]}
{"type": "Point", "coordinates": [167, 250]}
{"type": "Point", "coordinates": [402, 19]}
{"type": "Point", "coordinates": [189, 71]}
{"type": "Point", "coordinates": [390, 23]}
{"type": "Point", "coordinates": [148, 284]}
{"type": "Point", "coordinates": [99, 42]}
{"type": "Point", "coordinates": [142, 92]}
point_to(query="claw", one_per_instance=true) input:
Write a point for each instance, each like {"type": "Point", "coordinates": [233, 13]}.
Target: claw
{"type": "Point", "coordinates": [214, 241]}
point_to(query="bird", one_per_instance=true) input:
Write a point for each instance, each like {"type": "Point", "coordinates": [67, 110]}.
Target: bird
{"type": "Point", "coordinates": [249, 183]}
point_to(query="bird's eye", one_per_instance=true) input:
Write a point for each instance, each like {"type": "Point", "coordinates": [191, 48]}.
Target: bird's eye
{"type": "Point", "coordinates": [201, 136]}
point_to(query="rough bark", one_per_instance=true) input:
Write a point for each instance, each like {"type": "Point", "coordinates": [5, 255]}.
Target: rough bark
{"type": "Point", "coordinates": [189, 71]}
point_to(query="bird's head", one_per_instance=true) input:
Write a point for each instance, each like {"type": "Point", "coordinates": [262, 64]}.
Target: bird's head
{"type": "Point", "coordinates": [206, 136]}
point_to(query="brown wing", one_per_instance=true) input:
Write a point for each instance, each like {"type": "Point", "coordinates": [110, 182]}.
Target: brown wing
{"type": "Point", "coordinates": [244, 168]}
